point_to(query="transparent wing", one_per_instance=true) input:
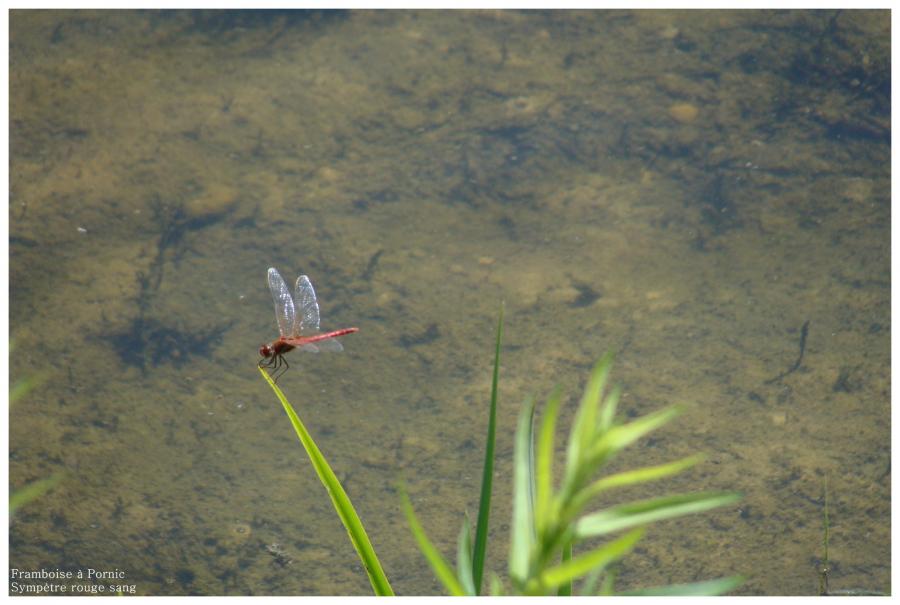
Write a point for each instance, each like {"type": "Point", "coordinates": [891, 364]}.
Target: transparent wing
{"type": "Point", "coordinates": [330, 346]}
{"type": "Point", "coordinates": [284, 304]}
{"type": "Point", "coordinates": [307, 319]}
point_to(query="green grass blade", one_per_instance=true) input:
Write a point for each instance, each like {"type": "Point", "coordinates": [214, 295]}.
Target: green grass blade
{"type": "Point", "coordinates": [464, 558]}
{"type": "Point", "coordinates": [496, 586]}
{"type": "Point", "coordinates": [585, 424]}
{"type": "Point", "coordinates": [607, 587]}
{"type": "Point", "coordinates": [22, 387]}
{"type": "Point", "coordinates": [589, 586]}
{"type": "Point", "coordinates": [823, 568]}
{"type": "Point", "coordinates": [599, 558]}
{"type": "Point", "coordinates": [487, 475]}
{"type": "Point", "coordinates": [440, 567]}
{"type": "Point", "coordinates": [641, 475]}
{"type": "Point", "coordinates": [608, 409]}
{"type": "Point", "coordinates": [32, 491]}
{"type": "Point", "coordinates": [707, 588]}
{"type": "Point", "coordinates": [620, 437]}
{"type": "Point", "coordinates": [339, 498]}
{"type": "Point", "coordinates": [543, 468]}
{"type": "Point", "coordinates": [649, 511]}
{"type": "Point", "coordinates": [825, 537]}
{"type": "Point", "coordinates": [565, 589]}
{"type": "Point", "coordinates": [522, 538]}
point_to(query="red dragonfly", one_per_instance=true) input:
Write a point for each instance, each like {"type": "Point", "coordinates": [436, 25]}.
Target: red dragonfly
{"type": "Point", "coordinates": [298, 324]}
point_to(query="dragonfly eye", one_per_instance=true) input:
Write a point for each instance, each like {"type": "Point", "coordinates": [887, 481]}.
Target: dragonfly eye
{"type": "Point", "coordinates": [265, 351]}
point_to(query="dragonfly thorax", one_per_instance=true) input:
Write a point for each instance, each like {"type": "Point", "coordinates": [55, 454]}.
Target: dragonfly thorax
{"type": "Point", "coordinates": [279, 347]}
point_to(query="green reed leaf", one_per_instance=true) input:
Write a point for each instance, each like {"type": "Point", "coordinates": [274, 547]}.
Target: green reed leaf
{"type": "Point", "coordinates": [464, 558]}
{"type": "Point", "coordinates": [441, 568]}
{"type": "Point", "coordinates": [648, 511]}
{"type": "Point", "coordinates": [578, 566]}
{"type": "Point", "coordinates": [339, 498]}
{"type": "Point", "coordinates": [608, 409]}
{"type": "Point", "coordinates": [565, 589]}
{"type": "Point", "coordinates": [585, 424]}
{"type": "Point", "coordinates": [626, 478]}
{"type": "Point", "coordinates": [487, 474]}
{"type": "Point", "coordinates": [619, 437]}
{"type": "Point", "coordinates": [543, 472]}
{"type": "Point", "coordinates": [522, 539]}
{"type": "Point", "coordinates": [707, 588]}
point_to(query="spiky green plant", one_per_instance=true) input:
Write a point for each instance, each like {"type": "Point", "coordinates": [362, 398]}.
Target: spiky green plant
{"type": "Point", "coordinates": [547, 523]}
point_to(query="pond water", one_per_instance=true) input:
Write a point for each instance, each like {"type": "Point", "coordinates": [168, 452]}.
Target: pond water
{"type": "Point", "coordinates": [705, 193]}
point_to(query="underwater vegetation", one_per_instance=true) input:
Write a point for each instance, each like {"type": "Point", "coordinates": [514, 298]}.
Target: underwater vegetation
{"type": "Point", "coordinates": [37, 488]}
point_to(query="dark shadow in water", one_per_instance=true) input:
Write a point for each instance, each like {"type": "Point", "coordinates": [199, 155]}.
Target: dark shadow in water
{"type": "Point", "coordinates": [149, 341]}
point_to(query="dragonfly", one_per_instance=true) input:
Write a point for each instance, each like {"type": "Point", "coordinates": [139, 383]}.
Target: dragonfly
{"type": "Point", "coordinates": [298, 324]}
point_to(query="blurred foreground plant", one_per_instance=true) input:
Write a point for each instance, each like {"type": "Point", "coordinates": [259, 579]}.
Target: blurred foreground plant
{"type": "Point", "coordinates": [548, 523]}
{"type": "Point", "coordinates": [34, 490]}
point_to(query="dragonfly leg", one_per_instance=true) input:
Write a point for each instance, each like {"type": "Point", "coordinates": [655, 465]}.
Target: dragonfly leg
{"type": "Point", "coordinates": [282, 365]}
{"type": "Point", "coordinates": [272, 364]}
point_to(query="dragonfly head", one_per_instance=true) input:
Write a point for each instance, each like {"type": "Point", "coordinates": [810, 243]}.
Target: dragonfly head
{"type": "Point", "coordinates": [266, 351]}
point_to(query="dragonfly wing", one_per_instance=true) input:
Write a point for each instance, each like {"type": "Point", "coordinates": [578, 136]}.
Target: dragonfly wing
{"type": "Point", "coordinates": [307, 319]}
{"type": "Point", "coordinates": [310, 348]}
{"type": "Point", "coordinates": [284, 304]}
{"type": "Point", "coordinates": [330, 345]}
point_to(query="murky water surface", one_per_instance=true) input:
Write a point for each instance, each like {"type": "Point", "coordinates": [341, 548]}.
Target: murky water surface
{"type": "Point", "coordinates": [689, 189]}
